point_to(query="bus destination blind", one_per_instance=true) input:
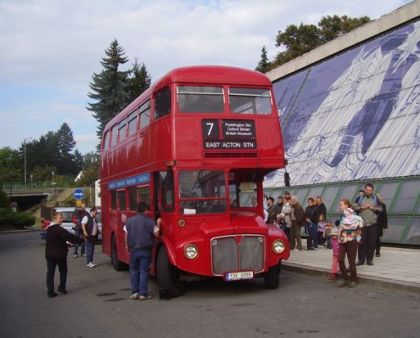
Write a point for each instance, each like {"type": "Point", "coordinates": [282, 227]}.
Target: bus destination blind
{"type": "Point", "coordinates": [233, 134]}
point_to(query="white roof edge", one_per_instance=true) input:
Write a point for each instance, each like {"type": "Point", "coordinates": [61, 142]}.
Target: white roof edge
{"type": "Point", "coordinates": [386, 22]}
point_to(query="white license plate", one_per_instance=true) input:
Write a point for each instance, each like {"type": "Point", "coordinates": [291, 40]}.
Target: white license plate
{"type": "Point", "coordinates": [230, 276]}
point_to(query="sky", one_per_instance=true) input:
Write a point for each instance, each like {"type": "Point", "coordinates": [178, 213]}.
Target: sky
{"type": "Point", "coordinates": [51, 48]}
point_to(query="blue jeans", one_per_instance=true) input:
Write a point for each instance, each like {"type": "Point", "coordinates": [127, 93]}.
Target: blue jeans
{"type": "Point", "coordinates": [312, 228]}
{"type": "Point", "coordinates": [139, 270]}
{"type": "Point", "coordinates": [90, 249]}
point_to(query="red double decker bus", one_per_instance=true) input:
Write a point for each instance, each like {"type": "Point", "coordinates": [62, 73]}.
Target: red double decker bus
{"type": "Point", "coordinates": [196, 147]}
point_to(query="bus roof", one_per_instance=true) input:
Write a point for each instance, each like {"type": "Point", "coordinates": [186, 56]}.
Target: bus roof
{"type": "Point", "coordinates": [222, 75]}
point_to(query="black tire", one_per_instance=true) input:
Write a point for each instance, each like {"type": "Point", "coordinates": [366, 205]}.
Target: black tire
{"type": "Point", "coordinates": [272, 277]}
{"type": "Point", "coordinates": [167, 275]}
{"type": "Point", "coordinates": [116, 263]}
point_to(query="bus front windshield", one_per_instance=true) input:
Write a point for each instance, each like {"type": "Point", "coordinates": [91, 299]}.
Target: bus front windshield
{"type": "Point", "coordinates": [202, 191]}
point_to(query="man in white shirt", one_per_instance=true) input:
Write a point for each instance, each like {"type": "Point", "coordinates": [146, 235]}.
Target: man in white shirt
{"type": "Point", "coordinates": [90, 232]}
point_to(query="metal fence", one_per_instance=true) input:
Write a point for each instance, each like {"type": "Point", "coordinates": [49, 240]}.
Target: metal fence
{"type": "Point", "coordinates": [401, 196]}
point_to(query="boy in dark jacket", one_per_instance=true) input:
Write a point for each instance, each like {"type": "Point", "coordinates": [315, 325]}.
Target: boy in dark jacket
{"type": "Point", "coordinates": [56, 253]}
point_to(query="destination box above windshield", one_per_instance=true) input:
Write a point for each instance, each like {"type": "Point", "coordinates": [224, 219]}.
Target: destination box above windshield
{"type": "Point", "coordinates": [238, 129]}
{"type": "Point", "coordinates": [228, 134]}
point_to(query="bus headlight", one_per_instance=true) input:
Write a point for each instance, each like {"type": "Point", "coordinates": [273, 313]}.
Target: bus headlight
{"type": "Point", "coordinates": [278, 246]}
{"type": "Point", "coordinates": [191, 251]}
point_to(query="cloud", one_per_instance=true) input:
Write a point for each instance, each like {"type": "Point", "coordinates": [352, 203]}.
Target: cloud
{"type": "Point", "coordinates": [52, 48]}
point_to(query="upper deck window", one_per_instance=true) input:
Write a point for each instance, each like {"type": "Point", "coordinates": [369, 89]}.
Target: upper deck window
{"type": "Point", "coordinates": [121, 130]}
{"type": "Point", "coordinates": [132, 123]}
{"type": "Point", "coordinates": [114, 135]}
{"type": "Point", "coordinates": [144, 114]}
{"type": "Point", "coordinates": [250, 101]}
{"type": "Point", "coordinates": [106, 141]}
{"type": "Point", "coordinates": [163, 102]}
{"type": "Point", "coordinates": [200, 99]}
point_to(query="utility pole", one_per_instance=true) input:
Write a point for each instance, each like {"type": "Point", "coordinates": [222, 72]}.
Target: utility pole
{"type": "Point", "coordinates": [24, 158]}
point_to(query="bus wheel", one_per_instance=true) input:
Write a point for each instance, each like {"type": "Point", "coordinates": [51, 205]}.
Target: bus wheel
{"type": "Point", "coordinates": [118, 265]}
{"type": "Point", "coordinates": [167, 275]}
{"type": "Point", "coordinates": [271, 278]}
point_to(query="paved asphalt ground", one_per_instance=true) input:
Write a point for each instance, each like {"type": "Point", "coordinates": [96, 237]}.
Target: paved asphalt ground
{"type": "Point", "coordinates": [97, 304]}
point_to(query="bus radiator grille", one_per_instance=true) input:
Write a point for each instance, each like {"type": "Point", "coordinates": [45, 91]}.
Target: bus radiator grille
{"type": "Point", "coordinates": [229, 256]}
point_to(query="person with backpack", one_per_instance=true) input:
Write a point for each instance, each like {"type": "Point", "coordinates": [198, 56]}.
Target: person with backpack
{"type": "Point", "coordinates": [297, 218]}
{"type": "Point", "coordinates": [368, 208]}
{"type": "Point", "coordinates": [90, 232]}
{"type": "Point", "coordinates": [78, 231]}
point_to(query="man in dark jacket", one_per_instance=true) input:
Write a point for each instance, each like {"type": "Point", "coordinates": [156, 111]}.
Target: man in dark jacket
{"type": "Point", "coordinates": [321, 211]}
{"type": "Point", "coordinates": [140, 231]}
{"type": "Point", "coordinates": [311, 225]}
{"type": "Point", "coordinates": [382, 224]}
{"type": "Point", "coordinates": [56, 253]}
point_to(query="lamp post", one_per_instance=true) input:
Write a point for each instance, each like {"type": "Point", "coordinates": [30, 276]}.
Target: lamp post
{"type": "Point", "coordinates": [24, 157]}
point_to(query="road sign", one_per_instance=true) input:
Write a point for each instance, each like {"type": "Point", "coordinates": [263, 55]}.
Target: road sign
{"type": "Point", "coordinates": [78, 194]}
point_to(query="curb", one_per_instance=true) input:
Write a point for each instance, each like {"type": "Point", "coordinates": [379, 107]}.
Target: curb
{"type": "Point", "coordinates": [369, 280]}
{"type": "Point", "coordinates": [16, 231]}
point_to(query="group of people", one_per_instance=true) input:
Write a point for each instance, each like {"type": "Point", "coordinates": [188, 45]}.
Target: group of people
{"type": "Point", "coordinates": [290, 216]}
{"type": "Point", "coordinates": [139, 233]}
{"type": "Point", "coordinates": [355, 235]}
{"type": "Point", "coordinates": [56, 249]}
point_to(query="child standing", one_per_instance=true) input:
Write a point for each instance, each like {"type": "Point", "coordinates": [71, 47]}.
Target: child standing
{"type": "Point", "coordinates": [336, 252]}
{"type": "Point", "coordinates": [327, 235]}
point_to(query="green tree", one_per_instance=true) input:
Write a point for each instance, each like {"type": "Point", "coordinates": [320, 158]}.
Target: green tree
{"type": "Point", "coordinates": [298, 40]}
{"type": "Point", "coordinates": [335, 26]}
{"type": "Point", "coordinates": [11, 165]}
{"type": "Point", "coordinates": [90, 169]}
{"type": "Point", "coordinates": [78, 161]}
{"type": "Point", "coordinates": [109, 87]}
{"type": "Point", "coordinates": [41, 152]}
{"type": "Point", "coordinates": [138, 81]}
{"type": "Point", "coordinates": [264, 65]}
{"type": "Point", "coordinates": [43, 173]}
{"type": "Point", "coordinates": [65, 145]}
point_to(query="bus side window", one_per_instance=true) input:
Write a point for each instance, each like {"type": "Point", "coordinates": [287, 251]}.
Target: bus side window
{"type": "Point", "coordinates": [132, 198]}
{"type": "Point", "coordinates": [143, 194]}
{"type": "Point", "coordinates": [121, 200]}
{"type": "Point", "coordinates": [113, 200]}
{"type": "Point", "coordinates": [163, 102]}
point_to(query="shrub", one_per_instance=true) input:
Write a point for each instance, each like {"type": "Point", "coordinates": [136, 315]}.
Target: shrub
{"type": "Point", "coordinates": [15, 219]}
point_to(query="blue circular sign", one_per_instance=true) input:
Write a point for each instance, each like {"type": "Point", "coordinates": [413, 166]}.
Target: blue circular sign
{"type": "Point", "coordinates": [78, 194]}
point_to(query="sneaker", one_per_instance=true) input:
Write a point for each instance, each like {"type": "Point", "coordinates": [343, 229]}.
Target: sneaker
{"type": "Point", "coordinates": [75, 255]}
{"type": "Point", "coordinates": [134, 296]}
{"type": "Point", "coordinates": [52, 294]}
{"type": "Point", "coordinates": [83, 255]}
{"type": "Point", "coordinates": [63, 291]}
{"type": "Point", "coordinates": [370, 263]}
{"type": "Point", "coordinates": [90, 265]}
{"type": "Point", "coordinates": [344, 283]}
{"type": "Point", "coordinates": [352, 284]}
{"type": "Point", "coordinates": [145, 297]}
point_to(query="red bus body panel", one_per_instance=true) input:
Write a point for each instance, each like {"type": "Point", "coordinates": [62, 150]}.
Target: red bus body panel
{"type": "Point", "coordinates": [176, 141]}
